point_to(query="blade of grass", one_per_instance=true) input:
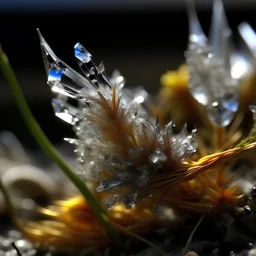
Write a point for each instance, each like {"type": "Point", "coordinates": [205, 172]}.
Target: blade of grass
{"type": "Point", "coordinates": [50, 150]}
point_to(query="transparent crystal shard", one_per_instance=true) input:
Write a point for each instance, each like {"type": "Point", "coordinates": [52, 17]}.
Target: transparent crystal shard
{"type": "Point", "coordinates": [157, 157]}
{"type": "Point", "coordinates": [82, 54]}
{"type": "Point", "coordinates": [111, 202]}
{"type": "Point", "coordinates": [222, 112]}
{"type": "Point", "coordinates": [220, 34]}
{"type": "Point", "coordinates": [169, 128]}
{"type": "Point", "coordinates": [64, 112]}
{"type": "Point", "coordinates": [196, 34]}
{"type": "Point", "coordinates": [211, 82]}
{"type": "Point", "coordinates": [249, 37]}
{"type": "Point", "coordinates": [157, 126]}
{"type": "Point", "coordinates": [95, 74]}
{"type": "Point", "coordinates": [183, 144]}
{"type": "Point", "coordinates": [241, 66]}
{"type": "Point", "coordinates": [144, 177]}
{"type": "Point", "coordinates": [72, 141]}
{"type": "Point", "coordinates": [253, 108]}
{"type": "Point", "coordinates": [129, 200]}
{"type": "Point", "coordinates": [108, 184]}
{"type": "Point", "coordinates": [62, 78]}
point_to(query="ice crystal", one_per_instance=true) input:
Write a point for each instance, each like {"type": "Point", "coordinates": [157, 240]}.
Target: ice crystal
{"type": "Point", "coordinates": [157, 157]}
{"type": "Point", "coordinates": [249, 37]}
{"type": "Point", "coordinates": [115, 132]}
{"type": "Point", "coordinates": [209, 61]}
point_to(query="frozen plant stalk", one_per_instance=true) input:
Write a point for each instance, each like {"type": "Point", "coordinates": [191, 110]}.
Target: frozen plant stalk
{"type": "Point", "coordinates": [119, 145]}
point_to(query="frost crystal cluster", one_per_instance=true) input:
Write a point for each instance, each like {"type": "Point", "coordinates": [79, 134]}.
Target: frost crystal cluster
{"type": "Point", "coordinates": [120, 145]}
{"type": "Point", "coordinates": [210, 67]}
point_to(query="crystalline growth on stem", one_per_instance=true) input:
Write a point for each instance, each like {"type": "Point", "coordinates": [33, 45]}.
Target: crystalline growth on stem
{"type": "Point", "coordinates": [62, 78]}
{"type": "Point", "coordinates": [64, 111]}
{"type": "Point", "coordinates": [211, 82]}
{"type": "Point", "coordinates": [249, 37]}
{"type": "Point", "coordinates": [95, 74]}
{"type": "Point", "coordinates": [183, 144]}
{"type": "Point", "coordinates": [119, 145]}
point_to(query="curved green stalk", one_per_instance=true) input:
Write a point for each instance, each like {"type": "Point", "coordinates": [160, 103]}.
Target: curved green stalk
{"type": "Point", "coordinates": [50, 150]}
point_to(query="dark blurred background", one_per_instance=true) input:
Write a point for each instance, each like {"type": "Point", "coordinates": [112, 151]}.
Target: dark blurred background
{"type": "Point", "coordinates": [142, 38]}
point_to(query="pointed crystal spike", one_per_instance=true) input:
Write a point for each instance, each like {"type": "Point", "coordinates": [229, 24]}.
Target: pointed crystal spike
{"type": "Point", "coordinates": [54, 79]}
{"type": "Point", "coordinates": [82, 54]}
{"type": "Point", "coordinates": [72, 141]}
{"type": "Point", "coordinates": [253, 109]}
{"type": "Point", "coordinates": [108, 184]}
{"type": "Point", "coordinates": [62, 78]}
{"type": "Point", "coordinates": [62, 111]}
{"type": "Point", "coordinates": [220, 34]}
{"type": "Point", "coordinates": [46, 52]}
{"type": "Point", "coordinates": [94, 74]}
{"type": "Point", "coordinates": [249, 37]}
{"type": "Point", "coordinates": [217, 28]}
{"type": "Point", "coordinates": [101, 68]}
{"type": "Point", "coordinates": [111, 202]}
{"type": "Point", "coordinates": [129, 200]}
{"type": "Point", "coordinates": [196, 34]}
{"type": "Point", "coordinates": [169, 128]}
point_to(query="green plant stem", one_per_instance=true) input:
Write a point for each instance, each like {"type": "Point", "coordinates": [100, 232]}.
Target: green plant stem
{"type": "Point", "coordinates": [50, 150]}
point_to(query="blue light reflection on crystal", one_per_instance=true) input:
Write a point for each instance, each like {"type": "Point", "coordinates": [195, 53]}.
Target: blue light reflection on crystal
{"type": "Point", "coordinates": [58, 108]}
{"type": "Point", "coordinates": [54, 75]}
{"type": "Point", "coordinates": [231, 105]}
{"type": "Point", "coordinates": [82, 54]}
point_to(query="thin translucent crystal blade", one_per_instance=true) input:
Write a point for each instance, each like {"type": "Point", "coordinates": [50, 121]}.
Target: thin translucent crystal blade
{"type": "Point", "coordinates": [157, 157]}
{"type": "Point", "coordinates": [220, 34]}
{"type": "Point", "coordinates": [61, 77]}
{"type": "Point", "coordinates": [111, 202]}
{"type": "Point", "coordinates": [211, 83]}
{"type": "Point", "coordinates": [184, 144]}
{"type": "Point", "coordinates": [95, 74]}
{"type": "Point", "coordinates": [108, 184]}
{"type": "Point", "coordinates": [240, 67]}
{"type": "Point", "coordinates": [129, 200]}
{"type": "Point", "coordinates": [249, 37]}
{"type": "Point", "coordinates": [196, 33]}
{"type": "Point", "coordinates": [64, 112]}
{"type": "Point", "coordinates": [213, 86]}
{"type": "Point", "coordinates": [82, 54]}
{"type": "Point", "coordinates": [253, 108]}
